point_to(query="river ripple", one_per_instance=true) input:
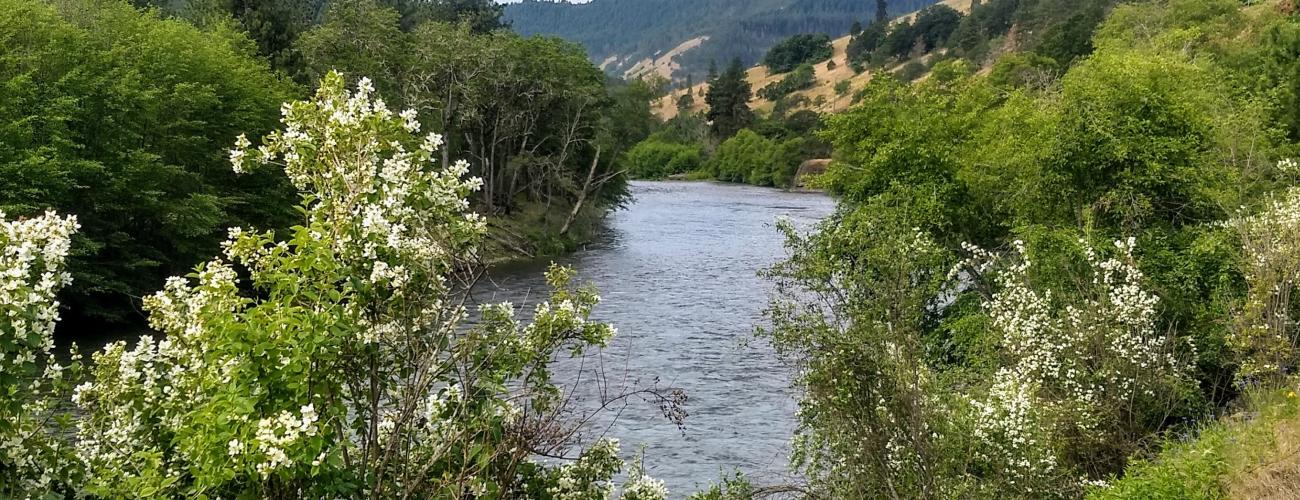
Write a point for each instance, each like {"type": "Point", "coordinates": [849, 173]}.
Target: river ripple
{"type": "Point", "coordinates": [677, 271]}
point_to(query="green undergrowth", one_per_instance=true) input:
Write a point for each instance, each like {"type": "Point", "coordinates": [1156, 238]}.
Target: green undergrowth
{"type": "Point", "coordinates": [1223, 458]}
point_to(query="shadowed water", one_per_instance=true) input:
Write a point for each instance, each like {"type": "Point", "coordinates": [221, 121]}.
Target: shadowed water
{"type": "Point", "coordinates": [677, 271]}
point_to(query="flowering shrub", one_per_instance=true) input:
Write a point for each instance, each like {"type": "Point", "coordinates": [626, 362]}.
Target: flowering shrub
{"type": "Point", "coordinates": [1086, 372]}
{"type": "Point", "coordinates": [992, 376]}
{"type": "Point", "coordinates": [1265, 334]}
{"type": "Point", "coordinates": [329, 362]}
{"type": "Point", "coordinates": [33, 255]}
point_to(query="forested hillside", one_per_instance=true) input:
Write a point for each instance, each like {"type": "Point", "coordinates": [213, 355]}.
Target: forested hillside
{"type": "Point", "coordinates": [625, 32]}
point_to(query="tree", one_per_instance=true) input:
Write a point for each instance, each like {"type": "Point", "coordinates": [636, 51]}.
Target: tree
{"type": "Point", "coordinates": [935, 24]}
{"type": "Point", "coordinates": [862, 46]}
{"type": "Point", "coordinates": [800, 49]}
{"type": "Point", "coordinates": [728, 100]}
{"type": "Point", "coordinates": [359, 37]}
{"type": "Point", "coordinates": [882, 11]}
{"type": "Point", "coordinates": [110, 114]}
{"type": "Point", "coordinates": [275, 25]}
{"type": "Point", "coordinates": [482, 16]}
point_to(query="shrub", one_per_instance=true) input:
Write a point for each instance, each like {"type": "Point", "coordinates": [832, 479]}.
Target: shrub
{"type": "Point", "coordinates": [802, 78]}
{"type": "Point", "coordinates": [911, 71]}
{"type": "Point", "coordinates": [1022, 70]}
{"type": "Point", "coordinates": [751, 158]}
{"type": "Point", "coordinates": [798, 50]}
{"type": "Point", "coordinates": [652, 159]}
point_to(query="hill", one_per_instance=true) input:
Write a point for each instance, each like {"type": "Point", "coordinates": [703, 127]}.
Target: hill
{"type": "Point", "coordinates": [822, 97]}
{"type": "Point", "coordinates": [677, 38]}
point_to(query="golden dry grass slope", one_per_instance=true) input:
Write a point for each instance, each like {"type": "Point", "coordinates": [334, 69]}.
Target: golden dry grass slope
{"type": "Point", "coordinates": [822, 96]}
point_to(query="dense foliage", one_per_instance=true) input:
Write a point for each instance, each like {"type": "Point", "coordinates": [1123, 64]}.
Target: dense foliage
{"type": "Point", "coordinates": [751, 158]}
{"type": "Point", "coordinates": [111, 114]}
{"type": "Point", "coordinates": [793, 52]}
{"type": "Point", "coordinates": [995, 314]}
{"type": "Point", "coordinates": [631, 30]}
{"type": "Point", "coordinates": [653, 159]}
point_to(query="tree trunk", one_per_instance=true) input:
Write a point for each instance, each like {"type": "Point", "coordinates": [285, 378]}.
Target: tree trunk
{"type": "Point", "coordinates": [582, 195]}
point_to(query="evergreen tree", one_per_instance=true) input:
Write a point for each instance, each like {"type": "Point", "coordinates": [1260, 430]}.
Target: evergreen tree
{"type": "Point", "coordinates": [882, 11]}
{"type": "Point", "coordinates": [855, 29]}
{"type": "Point", "coordinates": [687, 100]}
{"type": "Point", "coordinates": [482, 15]}
{"type": "Point", "coordinates": [275, 26]}
{"type": "Point", "coordinates": [728, 100]}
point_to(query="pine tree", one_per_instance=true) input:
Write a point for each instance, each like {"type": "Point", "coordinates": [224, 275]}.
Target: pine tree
{"type": "Point", "coordinates": [687, 100]}
{"type": "Point", "coordinates": [728, 100]}
{"type": "Point", "coordinates": [882, 11]}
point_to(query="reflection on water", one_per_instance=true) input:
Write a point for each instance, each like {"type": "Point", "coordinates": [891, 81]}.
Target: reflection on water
{"type": "Point", "coordinates": [677, 271]}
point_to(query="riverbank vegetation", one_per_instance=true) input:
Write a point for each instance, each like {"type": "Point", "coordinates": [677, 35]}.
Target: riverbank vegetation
{"type": "Point", "coordinates": [327, 360]}
{"type": "Point", "coordinates": [121, 116]}
{"type": "Point", "coordinates": [1031, 283]}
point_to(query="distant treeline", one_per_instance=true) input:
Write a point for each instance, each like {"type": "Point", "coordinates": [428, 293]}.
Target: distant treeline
{"type": "Point", "coordinates": [636, 29]}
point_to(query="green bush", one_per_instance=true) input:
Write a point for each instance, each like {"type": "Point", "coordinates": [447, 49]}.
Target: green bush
{"type": "Point", "coordinates": [652, 159]}
{"type": "Point", "coordinates": [798, 50]}
{"type": "Point", "coordinates": [802, 78]}
{"type": "Point", "coordinates": [751, 158]}
{"type": "Point", "coordinates": [911, 71]}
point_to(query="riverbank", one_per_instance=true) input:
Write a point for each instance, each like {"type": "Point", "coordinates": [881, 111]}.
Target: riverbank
{"type": "Point", "coordinates": [534, 232]}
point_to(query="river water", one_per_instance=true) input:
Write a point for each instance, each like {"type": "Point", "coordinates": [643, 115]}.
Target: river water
{"type": "Point", "coordinates": [677, 272]}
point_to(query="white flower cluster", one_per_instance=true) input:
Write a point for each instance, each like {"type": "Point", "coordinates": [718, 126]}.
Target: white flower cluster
{"type": "Point", "coordinates": [33, 257]}
{"type": "Point", "coordinates": [589, 476]}
{"type": "Point", "coordinates": [134, 394]}
{"type": "Point", "coordinates": [32, 262]}
{"type": "Point", "coordinates": [1069, 362]}
{"type": "Point", "coordinates": [274, 435]}
{"type": "Point", "coordinates": [1007, 425]}
{"type": "Point", "coordinates": [1288, 165]}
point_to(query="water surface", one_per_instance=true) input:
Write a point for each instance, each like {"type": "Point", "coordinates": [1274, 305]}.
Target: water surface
{"type": "Point", "coordinates": [677, 271]}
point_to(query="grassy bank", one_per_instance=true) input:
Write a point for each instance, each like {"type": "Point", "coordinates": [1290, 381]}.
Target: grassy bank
{"type": "Point", "coordinates": [1252, 452]}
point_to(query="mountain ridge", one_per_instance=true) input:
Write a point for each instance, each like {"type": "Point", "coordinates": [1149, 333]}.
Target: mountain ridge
{"type": "Point", "coordinates": [627, 37]}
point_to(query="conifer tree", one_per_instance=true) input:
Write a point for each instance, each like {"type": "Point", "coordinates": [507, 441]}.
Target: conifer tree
{"type": "Point", "coordinates": [728, 99]}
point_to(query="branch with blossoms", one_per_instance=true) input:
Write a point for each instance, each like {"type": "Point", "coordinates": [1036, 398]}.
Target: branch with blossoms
{"type": "Point", "coordinates": [33, 268]}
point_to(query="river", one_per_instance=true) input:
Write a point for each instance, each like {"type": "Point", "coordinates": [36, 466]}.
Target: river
{"type": "Point", "coordinates": [677, 272]}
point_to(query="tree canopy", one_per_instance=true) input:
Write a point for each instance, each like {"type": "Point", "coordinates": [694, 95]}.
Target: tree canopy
{"type": "Point", "coordinates": [804, 48]}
